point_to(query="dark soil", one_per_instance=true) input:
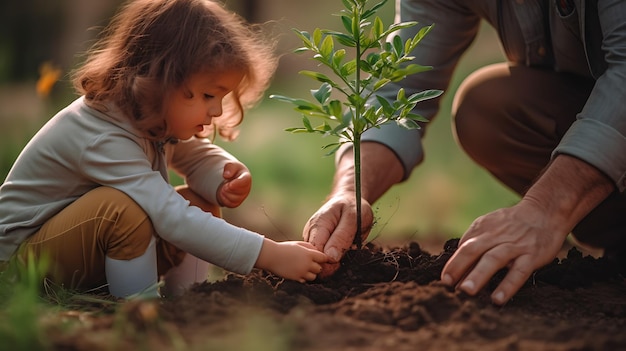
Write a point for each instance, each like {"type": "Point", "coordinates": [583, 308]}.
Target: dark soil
{"type": "Point", "coordinates": [383, 299]}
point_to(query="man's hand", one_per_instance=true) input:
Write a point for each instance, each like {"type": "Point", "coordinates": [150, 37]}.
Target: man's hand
{"type": "Point", "coordinates": [332, 228]}
{"type": "Point", "coordinates": [528, 235]}
{"type": "Point", "coordinates": [521, 238]}
{"type": "Point", "coordinates": [236, 185]}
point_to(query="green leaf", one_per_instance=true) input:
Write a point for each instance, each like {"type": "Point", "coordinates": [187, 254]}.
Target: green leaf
{"type": "Point", "coordinates": [370, 116]}
{"type": "Point", "coordinates": [356, 99]}
{"type": "Point", "coordinates": [348, 3]}
{"type": "Point", "coordinates": [416, 117]}
{"type": "Point", "coordinates": [397, 26]}
{"type": "Point", "coordinates": [421, 34]}
{"type": "Point", "coordinates": [374, 61]}
{"type": "Point", "coordinates": [297, 130]}
{"type": "Point", "coordinates": [318, 112]}
{"type": "Point", "coordinates": [335, 146]}
{"type": "Point", "coordinates": [401, 73]}
{"type": "Point", "coordinates": [343, 39]}
{"type": "Point", "coordinates": [424, 95]}
{"type": "Point", "coordinates": [348, 68]}
{"type": "Point", "coordinates": [365, 66]}
{"type": "Point", "coordinates": [398, 46]}
{"type": "Point", "coordinates": [327, 47]}
{"type": "Point", "coordinates": [323, 93]}
{"type": "Point", "coordinates": [317, 76]}
{"type": "Point", "coordinates": [337, 58]}
{"type": "Point", "coordinates": [384, 103]}
{"type": "Point", "coordinates": [282, 98]}
{"type": "Point", "coordinates": [317, 37]}
{"type": "Point", "coordinates": [347, 23]}
{"type": "Point", "coordinates": [323, 128]}
{"type": "Point", "coordinates": [305, 37]}
{"type": "Point", "coordinates": [381, 83]}
{"type": "Point", "coordinates": [374, 8]}
{"type": "Point", "coordinates": [301, 104]}
{"type": "Point", "coordinates": [334, 109]}
{"type": "Point", "coordinates": [377, 29]}
{"type": "Point", "coordinates": [401, 96]}
{"type": "Point", "coordinates": [307, 124]}
{"type": "Point", "coordinates": [346, 118]}
{"type": "Point", "coordinates": [356, 29]}
{"type": "Point", "coordinates": [408, 123]}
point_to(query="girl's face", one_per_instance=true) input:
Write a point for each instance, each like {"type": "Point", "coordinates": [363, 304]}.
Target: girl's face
{"type": "Point", "coordinates": [193, 105]}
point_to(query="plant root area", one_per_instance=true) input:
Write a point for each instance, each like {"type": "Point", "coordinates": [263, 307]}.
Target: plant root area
{"type": "Point", "coordinates": [381, 298]}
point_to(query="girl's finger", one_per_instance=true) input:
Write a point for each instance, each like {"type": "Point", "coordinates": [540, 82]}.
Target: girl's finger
{"type": "Point", "coordinates": [316, 268]}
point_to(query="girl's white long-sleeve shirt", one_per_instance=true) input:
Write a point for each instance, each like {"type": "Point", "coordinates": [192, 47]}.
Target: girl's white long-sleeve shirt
{"type": "Point", "coordinates": [81, 148]}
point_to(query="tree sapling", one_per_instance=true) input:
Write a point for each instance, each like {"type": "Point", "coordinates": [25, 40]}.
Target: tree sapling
{"type": "Point", "coordinates": [379, 57]}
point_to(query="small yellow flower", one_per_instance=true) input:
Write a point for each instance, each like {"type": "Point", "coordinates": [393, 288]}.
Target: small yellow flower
{"type": "Point", "coordinates": [48, 76]}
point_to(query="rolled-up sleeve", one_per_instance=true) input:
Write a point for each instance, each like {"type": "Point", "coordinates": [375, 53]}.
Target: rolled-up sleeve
{"type": "Point", "coordinates": [598, 136]}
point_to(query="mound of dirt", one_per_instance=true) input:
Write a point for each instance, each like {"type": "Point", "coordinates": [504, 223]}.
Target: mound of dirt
{"type": "Point", "coordinates": [390, 298]}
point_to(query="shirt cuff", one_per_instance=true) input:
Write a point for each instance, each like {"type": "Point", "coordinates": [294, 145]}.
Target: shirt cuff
{"type": "Point", "coordinates": [598, 144]}
{"type": "Point", "coordinates": [405, 143]}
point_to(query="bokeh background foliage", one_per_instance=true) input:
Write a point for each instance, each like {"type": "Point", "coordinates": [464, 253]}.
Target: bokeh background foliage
{"type": "Point", "coordinates": [291, 175]}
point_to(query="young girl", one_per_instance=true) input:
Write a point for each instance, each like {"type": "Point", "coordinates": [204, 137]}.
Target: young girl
{"type": "Point", "coordinates": [90, 191]}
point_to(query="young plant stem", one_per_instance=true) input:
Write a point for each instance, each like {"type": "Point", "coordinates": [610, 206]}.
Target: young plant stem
{"type": "Point", "coordinates": [358, 240]}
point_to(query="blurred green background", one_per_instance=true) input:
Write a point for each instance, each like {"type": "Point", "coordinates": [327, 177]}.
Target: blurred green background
{"type": "Point", "coordinates": [291, 174]}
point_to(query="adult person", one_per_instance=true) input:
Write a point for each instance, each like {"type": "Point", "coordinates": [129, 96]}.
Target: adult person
{"type": "Point", "coordinates": [549, 123]}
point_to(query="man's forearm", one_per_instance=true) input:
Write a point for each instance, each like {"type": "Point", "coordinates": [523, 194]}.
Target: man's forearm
{"type": "Point", "coordinates": [569, 189]}
{"type": "Point", "coordinates": [380, 169]}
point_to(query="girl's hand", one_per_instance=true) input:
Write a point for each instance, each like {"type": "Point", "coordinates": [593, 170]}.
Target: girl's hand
{"type": "Point", "coordinates": [295, 260]}
{"type": "Point", "coordinates": [236, 185]}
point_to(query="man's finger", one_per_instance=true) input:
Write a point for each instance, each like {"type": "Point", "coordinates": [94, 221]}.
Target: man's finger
{"type": "Point", "coordinates": [516, 277]}
{"type": "Point", "coordinates": [463, 260]}
{"type": "Point", "coordinates": [340, 240]}
{"type": "Point", "coordinates": [487, 266]}
{"type": "Point", "coordinates": [317, 235]}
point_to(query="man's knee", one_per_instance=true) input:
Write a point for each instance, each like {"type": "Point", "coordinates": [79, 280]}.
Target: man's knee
{"type": "Point", "coordinates": [479, 117]}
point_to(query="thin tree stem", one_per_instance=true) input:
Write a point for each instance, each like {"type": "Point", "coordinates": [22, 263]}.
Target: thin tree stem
{"type": "Point", "coordinates": [358, 240]}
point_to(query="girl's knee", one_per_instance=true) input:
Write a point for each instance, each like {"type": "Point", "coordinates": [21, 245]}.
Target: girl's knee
{"type": "Point", "coordinates": [126, 228]}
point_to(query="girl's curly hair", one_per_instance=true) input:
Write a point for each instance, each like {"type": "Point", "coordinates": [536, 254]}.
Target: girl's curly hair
{"type": "Point", "coordinates": [152, 46]}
